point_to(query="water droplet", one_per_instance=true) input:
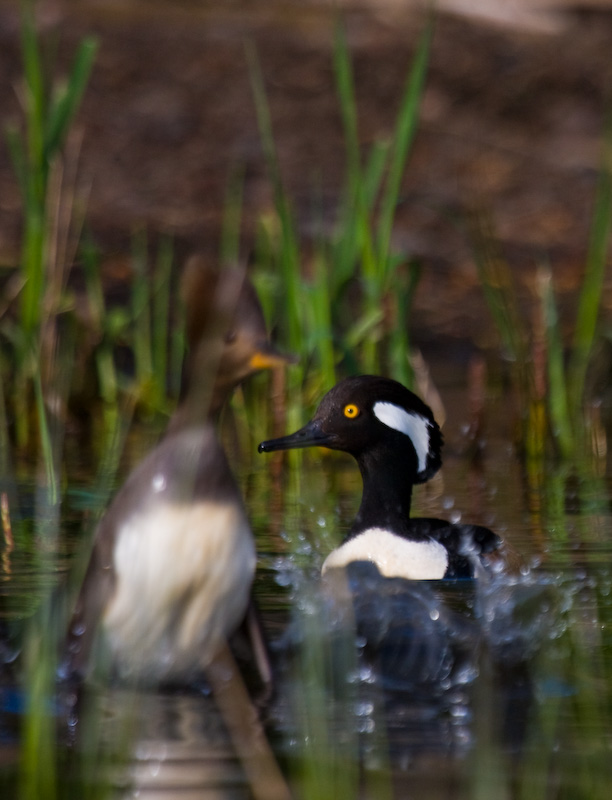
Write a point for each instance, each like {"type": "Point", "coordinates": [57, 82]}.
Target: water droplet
{"type": "Point", "coordinates": [366, 674]}
{"type": "Point", "coordinates": [282, 579]}
{"type": "Point", "coordinates": [366, 725]}
{"type": "Point", "coordinates": [364, 708]}
{"type": "Point", "coordinates": [460, 712]}
{"type": "Point", "coordinates": [159, 483]}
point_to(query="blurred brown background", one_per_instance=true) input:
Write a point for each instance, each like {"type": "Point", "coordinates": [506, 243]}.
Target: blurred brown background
{"type": "Point", "coordinates": [512, 121]}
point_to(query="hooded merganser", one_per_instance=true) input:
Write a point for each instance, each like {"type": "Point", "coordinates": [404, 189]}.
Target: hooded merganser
{"type": "Point", "coordinates": [396, 441]}
{"type": "Point", "coordinates": [169, 579]}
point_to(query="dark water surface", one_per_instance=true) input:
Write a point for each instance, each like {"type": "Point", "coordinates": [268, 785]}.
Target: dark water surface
{"type": "Point", "coordinates": [437, 690]}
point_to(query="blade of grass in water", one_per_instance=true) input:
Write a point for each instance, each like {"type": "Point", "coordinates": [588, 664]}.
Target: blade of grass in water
{"type": "Point", "coordinates": [45, 441]}
{"type": "Point", "coordinates": [362, 232]}
{"type": "Point", "coordinates": [47, 119]}
{"type": "Point", "coordinates": [321, 324]}
{"type": "Point", "coordinates": [496, 280]}
{"type": "Point", "coordinates": [99, 318]}
{"type": "Point", "coordinates": [290, 267]}
{"type": "Point", "coordinates": [328, 769]}
{"type": "Point", "coordinates": [557, 387]}
{"type": "Point", "coordinates": [38, 767]}
{"type": "Point", "coordinates": [319, 306]}
{"type": "Point", "coordinates": [592, 284]}
{"type": "Point", "coordinates": [362, 190]}
{"type": "Point", "coordinates": [47, 124]}
{"type": "Point", "coordinates": [348, 244]}
{"type": "Point", "coordinates": [405, 285]}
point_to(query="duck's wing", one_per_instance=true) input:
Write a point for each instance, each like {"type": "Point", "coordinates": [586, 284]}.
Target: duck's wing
{"type": "Point", "coordinates": [475, 539]}
{"type": "Point", "coordinates": [465, 544]}
{"type": "Point", "coordinates": [100, 577]}
{"type": "Point", "coordinates": [96, 591]}
{"type": "Point", "coordinates": [486, 540]}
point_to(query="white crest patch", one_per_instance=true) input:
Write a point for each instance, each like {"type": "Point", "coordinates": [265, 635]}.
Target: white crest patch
{"type": "Point", "coordinates": [394, 556]}
{"type": "Point", "coordinates": [414, 426]}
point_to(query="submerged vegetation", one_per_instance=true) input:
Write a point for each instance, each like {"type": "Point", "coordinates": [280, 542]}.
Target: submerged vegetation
{"type": "Point", "coordinates": [343, 304]}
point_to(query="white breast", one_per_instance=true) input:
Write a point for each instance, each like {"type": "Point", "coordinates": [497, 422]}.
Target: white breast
{"type": "Point", "coordinates": [394, 556]}
{"type": "Point", "coordinates": [184, 574]}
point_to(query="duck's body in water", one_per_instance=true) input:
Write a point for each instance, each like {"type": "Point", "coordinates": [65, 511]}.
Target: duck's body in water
{"type": "Point", "coordinates": [170, 574]}
{"type": "Point", "coordinates": [396, 442]}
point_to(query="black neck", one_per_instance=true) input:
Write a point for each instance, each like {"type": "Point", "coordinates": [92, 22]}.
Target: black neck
{"type": "Point", "coordinates": [387, 493]}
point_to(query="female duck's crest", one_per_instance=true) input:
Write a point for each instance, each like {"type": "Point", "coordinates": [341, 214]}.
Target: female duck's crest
{"type": "Point", "coordinates": [226, 336]}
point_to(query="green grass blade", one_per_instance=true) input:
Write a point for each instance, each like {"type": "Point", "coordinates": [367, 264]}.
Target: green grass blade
{"type": "Point", "coordinates": [360, 229]}
{"type": "Point", "coordinates": [345, 87]}
{"type": "Point", "coordinates": [404, 287]}
{"type": "Point", "coordinates": [35, 103]}
{"type": "Point", "coordinates": [35, 174]}
{"type": "Point", "coordinates": [322, 325]}
{"type": "Point", "coordinates": [404, 135]}
{"type": "Point", "coordinates": [161, 315]}
{"type": "Point", "coordinates": [592, 285]}
{"type": "Point", "coordinates": [141, 312]}
{"type": "Point", "coordinates": [38, 751]}
{"type": "Point", "coordinates": [364, 328]}
{"type": "Point", "coordinates": [499, 290]}
{"type": "Point", "coordinates": [18, 158]}
{"type": "Point", "coordinates": [232, 218]}
{"type": "Point", "coordinates": [177, 351]}
{"type": "Point", "coordinates": [290, 260]}
{"type": "Point", "coordinates": [33, 234]}
{"type": "Point", "coordinates": [374, 172]}
{"type": "Point", "coordinates": [348, 245]}
{"type": "Point", "coordinates": [557, 387]}
{"type": "Point", "coordinates": [105, 363]}
{"type": "Point", "coordinates": [46, 441]}
{"type": "Point", "coordinates": [65, 103]}
{"type": "Point", "coordinates": [32, 267]}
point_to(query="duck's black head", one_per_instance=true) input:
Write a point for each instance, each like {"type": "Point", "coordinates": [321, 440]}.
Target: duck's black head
{"type": "Point", "coordinates": [372, 417]}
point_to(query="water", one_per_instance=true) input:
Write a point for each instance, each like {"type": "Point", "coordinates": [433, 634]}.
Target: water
{"type": "Point", "coordinates": [440, 691]}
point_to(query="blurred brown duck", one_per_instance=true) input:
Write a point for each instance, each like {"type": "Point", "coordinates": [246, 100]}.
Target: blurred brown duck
{"type": "Point", "coordinates": [173, 560]}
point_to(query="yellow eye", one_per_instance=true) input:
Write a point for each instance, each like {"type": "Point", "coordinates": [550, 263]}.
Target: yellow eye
{"type": "Point", "coordinates": [351, 411]}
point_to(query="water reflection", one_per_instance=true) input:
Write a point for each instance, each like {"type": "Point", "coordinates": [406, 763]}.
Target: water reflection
{"type": "Point", "coordinates": [180, 748]}
{"type": "Point", "coordinates": [444, 689]}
